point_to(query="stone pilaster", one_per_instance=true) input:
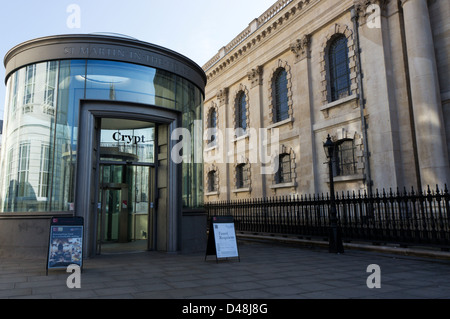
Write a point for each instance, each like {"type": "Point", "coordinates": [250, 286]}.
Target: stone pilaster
{"type": "Point", "coordinates": [303, 115]}
{"type": "Point", "coordinates": [425, 94]}
{"type": "Point", "coordinates": [223, 101]}
{"type": "Point", "coordinates": [256, 117]}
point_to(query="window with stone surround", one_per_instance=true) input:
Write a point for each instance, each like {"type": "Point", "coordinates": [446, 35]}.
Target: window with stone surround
{"type": "Point", "coordinates": [345, 159]}
{"type": "Point", "coordinates": [283, 174]}
{"type": "Point", "coordinates": [242, 176]}
{"type": "Point", "coordinates": [212, 125]}
{"type": "Point", "coordinates": [241, 113]}
{"type": "Point", "coordinates": [280, 95]}
{"type": "Point", "coordinates": [338, 68]}
{"type": "Point", "coordinates": [212, 181]}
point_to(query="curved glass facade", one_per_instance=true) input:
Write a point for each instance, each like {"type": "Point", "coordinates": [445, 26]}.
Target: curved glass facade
{"type": "Point", "coordinates": [39, 148]}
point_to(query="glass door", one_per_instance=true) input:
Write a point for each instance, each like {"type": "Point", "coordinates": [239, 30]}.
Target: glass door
{"type": "Point", "coordinates": [142, 198]}
{"type": "Point", "coordinates": [112, 207]}
{"type": "Point", "coordinates": [125, 208]}
{"type": "Point", "coordinates": [110, 214]}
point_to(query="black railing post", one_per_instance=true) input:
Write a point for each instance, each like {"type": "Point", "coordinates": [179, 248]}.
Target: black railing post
{"type": "Point", "coordinates": [415, 234]}
{"type": "Point", "coordinates": [447, 212]}
{"type": "Point", "coordinates": [335, 240]}
{"type": "Point", "coordinates": [432, 215]}
{"type": "Point", "coordinates": [441, 219]}
{"type": "Point", "coordinates": [415, 217]}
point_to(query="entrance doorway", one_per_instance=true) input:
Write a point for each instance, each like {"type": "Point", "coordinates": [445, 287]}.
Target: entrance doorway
{"type": "Point", "coordinates": [129, 136]}
{"type": "Point", "coordinates": [125, 216]}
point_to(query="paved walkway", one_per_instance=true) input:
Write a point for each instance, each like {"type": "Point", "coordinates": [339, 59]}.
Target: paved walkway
{"type": "Point", "coordinates": [265, 271]}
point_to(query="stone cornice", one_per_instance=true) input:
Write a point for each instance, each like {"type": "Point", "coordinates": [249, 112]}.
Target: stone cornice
{"type": "Point", "coordinates": [223, 59]}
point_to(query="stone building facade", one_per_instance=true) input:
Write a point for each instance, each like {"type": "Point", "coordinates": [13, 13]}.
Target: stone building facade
{"type": "Point", "coordinates": [372, 74]}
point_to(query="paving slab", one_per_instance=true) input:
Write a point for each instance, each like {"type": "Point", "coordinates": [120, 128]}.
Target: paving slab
{"type": "Point", "coordinates": [266, 271]}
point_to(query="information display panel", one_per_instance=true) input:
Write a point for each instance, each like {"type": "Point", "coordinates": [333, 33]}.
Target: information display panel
{"type": "Point", "coordinates": [222, 238]}
{"type": "Point", "coordinates": [65, 245]}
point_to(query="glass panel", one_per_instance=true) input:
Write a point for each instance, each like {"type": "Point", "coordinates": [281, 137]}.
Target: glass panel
{"type": "Point", "coordinates": [25, 194]}
{"type": "Point", "coordinates": [113, 207]}
{"type": "Point", "coordinates": [339, 69]}
{"type": "Point", "coordinates": [246, 176]}
{"type": "Point", "coordinates": [345, 159]}
{"type": "Point", "coordinates": [41, 108]}
{"type": "Point", "coordinates": [70, 91]}
{"type": "Point", "coordinates": [165, 89]}
{"type": "Point", "coordinates": [239, 176]}
{"type": "Point", "coordinates": [107, 80]}
{"type": "Point", "coordinates": [192, 168]}
{"type": "Point", "coordinates": [212, 126]}
{"type": "Point", "coordinates": [112, 174]}
{"type": "Point", "coordinates": [242, 176]}
{"type": "Point", "coordinates": [124, 216]}
{"type": "Point", "coordinates": [29, 139]}
{"type": "Point", "coordinates": [212, 185]}
{"type": "Point", "coordinates": [284, 171]}
{"type": "Point", "coordinates": [241, 114]}
{"type": "Point", "coordinates": [120, 81]}
{"type": "Point", "coordinates": [280, 96]}
{"type": "Point", "coordinates": [139, 202]}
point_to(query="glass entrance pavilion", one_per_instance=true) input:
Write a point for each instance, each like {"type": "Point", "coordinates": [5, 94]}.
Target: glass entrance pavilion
{"type": "Point", "coordinates": [78, 106]}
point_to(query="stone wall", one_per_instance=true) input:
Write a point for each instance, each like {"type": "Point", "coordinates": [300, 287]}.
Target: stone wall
{"type": "Point", "coordinates": [398, 140]}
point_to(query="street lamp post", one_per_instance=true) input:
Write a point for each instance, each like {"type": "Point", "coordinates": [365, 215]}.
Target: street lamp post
{"type": "Point", "coordinates": [335, 239]}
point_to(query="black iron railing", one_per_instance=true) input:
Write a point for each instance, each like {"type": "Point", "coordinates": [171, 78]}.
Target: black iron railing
{"type": "Point", "coordinates": [402, 217]}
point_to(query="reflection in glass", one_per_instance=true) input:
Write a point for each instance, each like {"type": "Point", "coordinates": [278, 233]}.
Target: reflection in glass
{"type": "Point", "coordinates": [106, 80]}
{"type": "Point", "coordinates": [70, 91]}
{"type": "Point", "coordinates": [39, 147]}
{"type": "Point", "coordinates": [29, 138]}
{"type": "Point", "coordinates": [125, 204]}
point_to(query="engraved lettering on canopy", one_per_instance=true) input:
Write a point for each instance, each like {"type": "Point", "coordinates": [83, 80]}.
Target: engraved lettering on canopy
{"type": "Point", "coordinates": [132, 55]}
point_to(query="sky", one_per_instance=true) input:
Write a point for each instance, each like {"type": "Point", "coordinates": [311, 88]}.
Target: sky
{"type": "Point", "coordinates": [196, 28]}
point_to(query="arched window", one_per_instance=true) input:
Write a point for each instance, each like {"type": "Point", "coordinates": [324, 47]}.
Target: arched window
{"type": "Point", "coordinates": [212, 181]}
{"type": "Point", "coordinates": [241, 113]}
{"type": "Point", "coordinates": [212, 124]}
{"type": "Point", "coordinates": [283, 174]}
{"type": "Point", "coordinates": [280, 95]}
{"type": "Point", "coordinates": [338, 67]}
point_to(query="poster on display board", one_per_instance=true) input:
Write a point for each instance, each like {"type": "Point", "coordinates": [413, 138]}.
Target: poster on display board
{"type": "Point", "coordinates": [65, 245]}
{"type": "Point", "coordinates": [222, 238]}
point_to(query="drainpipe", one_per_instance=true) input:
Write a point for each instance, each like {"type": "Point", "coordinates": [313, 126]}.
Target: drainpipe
{"type": "Point", "coordinates": [367, 173]}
